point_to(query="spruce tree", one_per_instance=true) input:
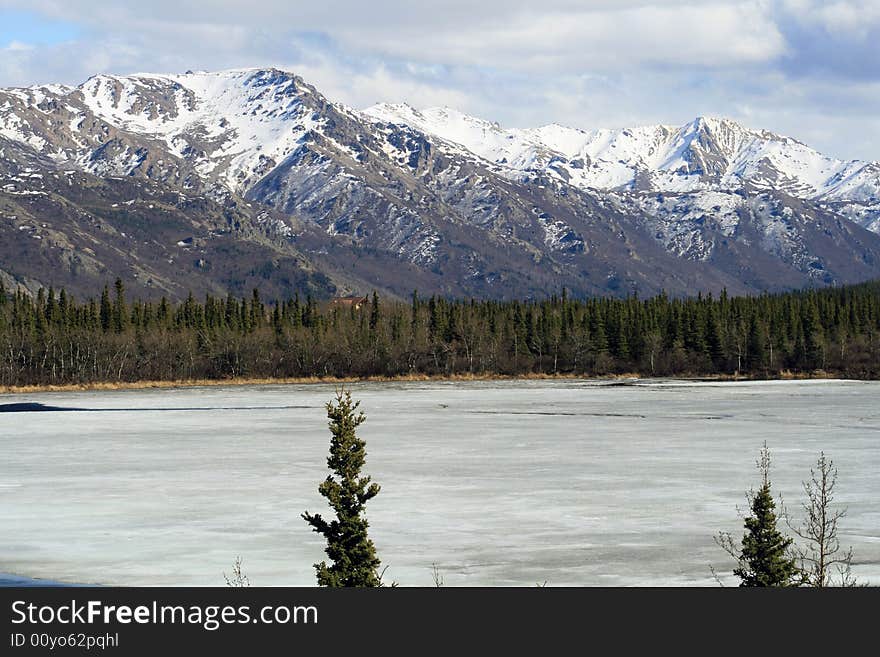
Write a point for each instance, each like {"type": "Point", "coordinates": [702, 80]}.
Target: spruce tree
{"type": "Point", "coordinates": [598, 333]}
{"type": "Point", "coordinates": [374, 314]}
{"type": "Point", "coordinates": [765, 558]}
{"type": "Point", "coordinates": [120, 312]}
{"type": "Point", "coordinates": [414, 316]}
{"type": "Point", "coordinates": [714, 343]}
{"type": "Point", "coordinates": [106, 310]}
{"type": "Point", "coordinates": [755, 352]}
{"type": "Point", "coordinates": [353, 556]}
{"type": "Point", "coordinates": [814, 339]}
{"type": "Point", "coordinates": [257, 312]}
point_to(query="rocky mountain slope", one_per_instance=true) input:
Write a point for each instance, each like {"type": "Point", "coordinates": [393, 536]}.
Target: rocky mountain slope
{"type": "Point", "coordinates": [221, 181]}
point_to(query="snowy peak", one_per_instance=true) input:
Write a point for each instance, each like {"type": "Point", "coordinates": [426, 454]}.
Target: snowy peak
{"type": "Point", "coordinates": [171, 104]}
{"type": "Point", "coordinates": [229, 127]}
{"type": "Point", "coordinates": [463, 132]}
{"type": "Point", "coordinates": [705, 153]}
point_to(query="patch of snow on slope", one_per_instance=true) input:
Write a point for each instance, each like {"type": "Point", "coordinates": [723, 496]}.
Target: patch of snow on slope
{"type": "Point", "coordinates": [653, 158]}
{"type": "Point", "coordinates": [244, 117]}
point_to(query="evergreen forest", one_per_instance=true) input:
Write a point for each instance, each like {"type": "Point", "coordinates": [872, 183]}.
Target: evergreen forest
{"type": "Point", "coordinates": [53, 339]}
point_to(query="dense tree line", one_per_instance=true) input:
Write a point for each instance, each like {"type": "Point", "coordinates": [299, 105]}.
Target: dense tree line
{"type": "Point", "coordinates": [52, 338]}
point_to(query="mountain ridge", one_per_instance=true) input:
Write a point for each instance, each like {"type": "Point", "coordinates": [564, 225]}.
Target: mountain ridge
{"type": "Point", "coordinates": [386, 197]}
{"type": "Point", "coordinates": [589, 142]}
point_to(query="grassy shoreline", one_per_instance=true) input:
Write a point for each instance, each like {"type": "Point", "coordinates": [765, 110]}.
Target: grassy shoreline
{"type": "Point", "coordinates": [533, 376]}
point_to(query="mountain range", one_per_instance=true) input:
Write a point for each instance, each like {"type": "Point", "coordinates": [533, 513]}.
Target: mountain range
{"type": "Point", "coordinates": [218, 182]}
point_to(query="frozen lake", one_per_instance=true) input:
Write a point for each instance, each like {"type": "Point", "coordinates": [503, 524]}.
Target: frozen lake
{"type": "Point", "coordinates": [498, 483]}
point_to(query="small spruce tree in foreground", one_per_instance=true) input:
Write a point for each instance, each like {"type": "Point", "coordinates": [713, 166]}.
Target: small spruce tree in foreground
{"type": "Point", "coordinates": [765, 557]}
{"type": "Point", "coordinates": [353, 560]}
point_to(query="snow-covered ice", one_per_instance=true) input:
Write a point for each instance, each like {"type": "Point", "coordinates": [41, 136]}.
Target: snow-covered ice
{"type": "Point", "coordinates": [498, 483]}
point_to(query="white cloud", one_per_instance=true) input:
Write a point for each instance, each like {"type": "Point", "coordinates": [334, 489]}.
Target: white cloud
{"type": "Point", "coordinates": [850, 18]}
{"type": "Point", "coordinates": [804, 67]}
{"type": "Point", "coordinates": [588, 40]}
{"type": "Point", "coordinates": [523, 35]}
{"type": "Point", "coordinates": [17, 46]}
{"type": "Point", "coordinates": [361, 89]}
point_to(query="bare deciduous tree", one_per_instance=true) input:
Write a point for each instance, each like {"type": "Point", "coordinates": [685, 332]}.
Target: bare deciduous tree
{"type": "Point", "coordinates": [238, 578]}
{"type": "Point", "coordinates": [822, 561]}
{"type": "Point", "coordinates": [436, 575]}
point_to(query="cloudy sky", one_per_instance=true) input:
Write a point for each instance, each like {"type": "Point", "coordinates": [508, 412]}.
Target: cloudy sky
{"type": "Point", "coordinates": [806, 68]}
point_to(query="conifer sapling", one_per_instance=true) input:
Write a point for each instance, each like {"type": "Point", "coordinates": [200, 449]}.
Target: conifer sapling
{"type": "Point", "coordinates": [765, 557]}
{"type": "Point", "coordinates": [353, 559]}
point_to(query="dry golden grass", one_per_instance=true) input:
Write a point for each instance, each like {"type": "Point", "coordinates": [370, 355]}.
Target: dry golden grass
{"type": "Point", "coordinates": [530, 376]}
{"type": "Point", "coordinates": [190, 383]}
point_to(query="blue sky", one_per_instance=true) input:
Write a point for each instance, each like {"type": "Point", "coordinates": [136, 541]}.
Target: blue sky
{"type": "Point", "coordinates": [30, 28]}
{"type": "Point", "coordinates": [806, 68]}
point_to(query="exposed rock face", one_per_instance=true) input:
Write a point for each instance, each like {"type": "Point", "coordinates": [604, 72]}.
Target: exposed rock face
{"type": "Point", "coordinates": [221, 181]}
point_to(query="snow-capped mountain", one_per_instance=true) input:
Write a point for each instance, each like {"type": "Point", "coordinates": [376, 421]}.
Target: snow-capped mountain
{"type": "Point", "coordinates": [707, 153]}
{"type": "Point", "coordinates": [396, 198]}
{"type": "Point", "coordinates": [224, 126]}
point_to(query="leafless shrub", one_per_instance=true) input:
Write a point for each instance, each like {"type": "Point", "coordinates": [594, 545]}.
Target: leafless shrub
{"type": "Point", "coordinates": [823, 562]}
{"type": "Point", "coordinates": [436, 575]}
{"type": "Point", "coordinates": [238, 578]}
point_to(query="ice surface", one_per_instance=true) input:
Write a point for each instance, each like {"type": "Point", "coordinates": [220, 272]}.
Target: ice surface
{"type": "Point", "coordinates": [498, 483]}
